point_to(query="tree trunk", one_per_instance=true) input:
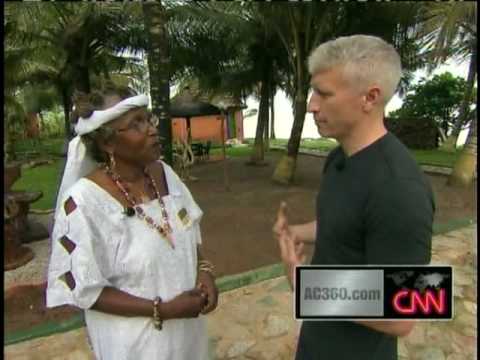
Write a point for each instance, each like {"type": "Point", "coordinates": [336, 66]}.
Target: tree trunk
{"type": "Point", "coordinates": [82, 79]}
{"type": "Point", "coordinates": [285, 170]}
{"type": "Point", "coordinates": [441, 133]}
{"type": "Point", "coordinates": [465, 167]}
{"type": "Point", "coordinates": [451, 142]}
{"type": "Point", "coordinates": [257, 157]}
{"type": "Point", "coordinates": [159, 71]}
{"type": "Point", "coordinates": [272, 115]}
{"type": "Point", "coordinates": [9, 141]}
{"type": "Point", "coordinates": [66, 113]}
{"type": "Point", "coordinates": [266, 126]}
{"type": "Point", "coordinates": [32, 126]}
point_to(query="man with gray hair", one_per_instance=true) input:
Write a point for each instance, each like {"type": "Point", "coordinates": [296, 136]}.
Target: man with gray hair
{"type": "Point", "coordinates": [374, 205]}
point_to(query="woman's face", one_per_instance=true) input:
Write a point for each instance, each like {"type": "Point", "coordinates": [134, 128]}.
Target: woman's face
{"type": "Point", "coordinates": [136, 139]}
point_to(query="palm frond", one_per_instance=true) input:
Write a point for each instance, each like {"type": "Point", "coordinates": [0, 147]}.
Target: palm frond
{"type": "Point", "coordinates": [448, 30]}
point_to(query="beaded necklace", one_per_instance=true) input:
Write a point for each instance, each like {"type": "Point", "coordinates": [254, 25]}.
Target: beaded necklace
{"type": "Point", "coordinates": [164, 230]}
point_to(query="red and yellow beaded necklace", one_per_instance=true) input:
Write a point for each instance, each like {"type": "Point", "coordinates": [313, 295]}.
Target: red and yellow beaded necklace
{"type": "Point", "coordinates": [164, 230]}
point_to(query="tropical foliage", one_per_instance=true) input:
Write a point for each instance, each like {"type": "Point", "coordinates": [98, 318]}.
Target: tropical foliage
{"type": "Point", "coordinates": [68, 46]}
{"type": "Point", "coordinates": [449, 31]}
{"type": "Point", "coordinates": [241, 48]}
{"type": "Point", "coordinates": [438, 99]}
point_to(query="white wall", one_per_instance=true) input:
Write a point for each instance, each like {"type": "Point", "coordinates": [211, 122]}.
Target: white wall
{"type": "Point", "coordinates": [283, 119]}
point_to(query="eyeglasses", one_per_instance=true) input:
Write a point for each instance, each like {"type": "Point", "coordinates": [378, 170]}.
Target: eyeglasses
{"type": "Point", "coordinates": [140, 124]}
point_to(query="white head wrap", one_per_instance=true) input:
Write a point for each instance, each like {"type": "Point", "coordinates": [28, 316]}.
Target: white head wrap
{"type": "Point", "coordinates": [79, 162]}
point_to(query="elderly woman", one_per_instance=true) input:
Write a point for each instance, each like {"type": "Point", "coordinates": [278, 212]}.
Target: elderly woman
{"type": "Point", "coordinates": [125, 244]}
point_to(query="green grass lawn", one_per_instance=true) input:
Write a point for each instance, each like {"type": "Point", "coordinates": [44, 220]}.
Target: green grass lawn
{"type": "Point", "coordinates": [47, 177]}
{"type": "Point", "coordinates": [436, 157]}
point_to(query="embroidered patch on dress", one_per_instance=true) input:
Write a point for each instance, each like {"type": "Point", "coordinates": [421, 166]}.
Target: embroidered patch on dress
{"type": "Point", "coordinates": [184, 217]}
{"type": "Point", "coordinates": [68, 280]}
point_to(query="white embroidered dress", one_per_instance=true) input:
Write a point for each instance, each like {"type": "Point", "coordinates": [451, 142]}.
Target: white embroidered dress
{"type": "Point", "coordinates": [114, 250]}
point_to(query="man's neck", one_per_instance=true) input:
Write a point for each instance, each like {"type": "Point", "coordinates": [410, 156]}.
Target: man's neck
{"type": "Point", "coordinates": [362, 136]}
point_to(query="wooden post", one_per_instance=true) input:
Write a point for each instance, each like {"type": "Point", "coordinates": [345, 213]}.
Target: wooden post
{"type": "Point", "coordinates": [225, 175]}
{"type": "Point", "coordinates": [189, 131]}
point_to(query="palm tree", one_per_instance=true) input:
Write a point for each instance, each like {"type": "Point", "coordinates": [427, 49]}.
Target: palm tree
{"type": "Point", "coordinates": [259, 145]}
{"type": "Point", "coordinates": [16, 74]}
{"type": "Point", "coordinates": [449, 30]}
{"type": "Point", "coordinates": [159, 71]}
{"type": "Point", "coordinates": [272, 115]}
{"type": "Point", "coordinates": [464, 169]}
{"type": "Point", "coordinates": [295, 28]}
{"type": "Point", "coordinates": [74, 42]}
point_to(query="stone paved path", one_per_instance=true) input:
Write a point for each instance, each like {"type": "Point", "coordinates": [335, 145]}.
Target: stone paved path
{"type": "Point", "coordinates": [255, 322]}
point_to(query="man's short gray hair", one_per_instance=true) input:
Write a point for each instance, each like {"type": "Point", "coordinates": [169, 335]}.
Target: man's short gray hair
{"type": "Point", "coordinates": [366, 59]}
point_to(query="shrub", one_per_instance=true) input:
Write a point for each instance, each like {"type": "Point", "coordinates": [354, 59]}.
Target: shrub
{"type": "Point", "coordinates": [415, 133]}
{"type": "Point", "coordinates": [53, 124]}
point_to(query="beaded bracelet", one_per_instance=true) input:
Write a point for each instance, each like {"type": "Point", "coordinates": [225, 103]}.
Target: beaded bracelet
{"type": "Point", "coordinates": [157, 321]}
{"type": "Point", "coordinates": [206, 266]}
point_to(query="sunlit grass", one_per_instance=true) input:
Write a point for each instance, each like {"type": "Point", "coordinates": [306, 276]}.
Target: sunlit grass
{"type": "Point", "coordinates": [45, 178]}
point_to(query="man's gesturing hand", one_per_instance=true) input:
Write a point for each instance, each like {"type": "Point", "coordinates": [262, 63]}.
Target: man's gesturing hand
{"type": "Point", "coordinates": [291, 250]}
{"type": "Point", "coordinates": [281, 224]}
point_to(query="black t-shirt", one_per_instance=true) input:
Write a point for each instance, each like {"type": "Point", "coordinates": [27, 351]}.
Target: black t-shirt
{"type": "Point", "coordinates": [375, 207]}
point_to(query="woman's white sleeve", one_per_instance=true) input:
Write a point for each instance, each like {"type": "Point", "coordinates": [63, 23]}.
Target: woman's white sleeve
{"type": "Point", "coordinates": [194, 211]}
{"type": "Point", "coordinates": [78, 253]}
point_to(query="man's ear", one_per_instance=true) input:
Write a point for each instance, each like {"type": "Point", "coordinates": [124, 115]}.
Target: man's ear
{"type": "Point", "coordinates": [371, 99]}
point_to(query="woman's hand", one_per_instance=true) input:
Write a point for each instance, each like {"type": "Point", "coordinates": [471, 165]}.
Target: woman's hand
{"type": "Point", "coordinates": [206, 283]}
{"type": "Point", "coordinates": [188, 304]}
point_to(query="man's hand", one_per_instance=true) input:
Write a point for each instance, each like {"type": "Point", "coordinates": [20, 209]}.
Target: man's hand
{"type": "Point", "coordinates": [291, 254]}
{"type": "Point", "coordinates": [206, 283]}
{"type": "Point", "coordinates": [281, 225]}
{"type": "Point", "coordinates": [304, 233]}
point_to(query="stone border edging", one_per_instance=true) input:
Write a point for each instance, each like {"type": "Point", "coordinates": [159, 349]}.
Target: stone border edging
{"type": "Point", "coordinates": [45, 329]}
{"type": "Point", "coordinates": [225, 283]}
{"type": "Point", "coordinates": [236, 281]}
{"type": "Point", "coordinates": [455, 224]}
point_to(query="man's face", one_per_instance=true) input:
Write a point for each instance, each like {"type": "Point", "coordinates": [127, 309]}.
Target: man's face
{"type": "Point", "coordinates": [335, 103]}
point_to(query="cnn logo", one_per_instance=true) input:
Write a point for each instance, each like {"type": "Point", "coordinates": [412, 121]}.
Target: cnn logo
{"type": "Point", "coordinates": [410, 302]}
